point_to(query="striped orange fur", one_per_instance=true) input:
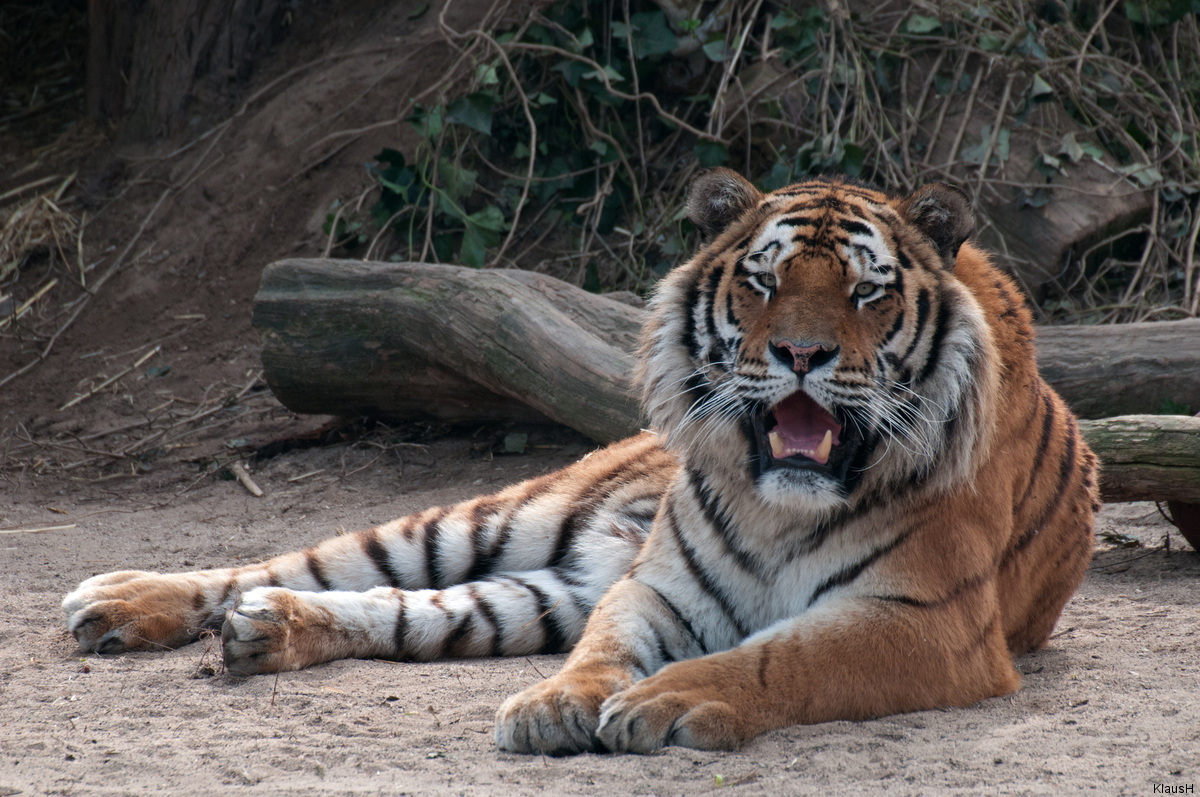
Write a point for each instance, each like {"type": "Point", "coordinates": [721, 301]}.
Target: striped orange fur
{"type": "Point", "coordinates": [859, 499]}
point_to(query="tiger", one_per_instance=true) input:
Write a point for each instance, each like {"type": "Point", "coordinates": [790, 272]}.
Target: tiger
{"type": "Point", "coordinates": [856, 498]}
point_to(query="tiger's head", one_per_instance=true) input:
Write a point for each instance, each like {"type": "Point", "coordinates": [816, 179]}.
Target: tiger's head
{"type": "Point", "coordinates": [819, 343]}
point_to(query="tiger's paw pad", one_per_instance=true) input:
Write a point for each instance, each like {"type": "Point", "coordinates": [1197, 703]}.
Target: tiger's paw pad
{"type": "Point", "coordinates": [555, 717]}
{"type": "Point", "coordinates": [640, 721]}
{"type": "Point", "coordinates": [257, 634]}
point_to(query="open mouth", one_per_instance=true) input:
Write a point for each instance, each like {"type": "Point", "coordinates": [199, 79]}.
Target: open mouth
{"type": "Point", "coordinates": [800, 433]}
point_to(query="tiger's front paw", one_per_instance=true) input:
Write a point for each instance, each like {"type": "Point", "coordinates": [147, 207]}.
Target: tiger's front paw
{"type": "Point", "coordinates": [265, 631]}
{"type": "Point", "coordinates": [132, 610]}
{"type": "Point", "coordinates": [558, 716]}
{"type": "Point", "coordinates": [671, 709]}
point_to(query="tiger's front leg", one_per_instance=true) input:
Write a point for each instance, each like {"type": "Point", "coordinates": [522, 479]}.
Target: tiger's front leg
{"type": "Point", "coordinates": [853, 659]}
{"type": "Point", "coordinates": [632, 633]}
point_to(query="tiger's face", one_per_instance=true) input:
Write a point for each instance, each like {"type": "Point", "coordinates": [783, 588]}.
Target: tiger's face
{"type": "Point", "coordinates": [819, 341]}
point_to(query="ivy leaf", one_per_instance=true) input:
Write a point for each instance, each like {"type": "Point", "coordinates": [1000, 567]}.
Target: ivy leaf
{"type": "Point", "coordinates": [921, 24]}
{"type": "Point", "coordinates": [1071, 148]}
{"type": "Point", "coordinates": [474, 111]}
{"type": "Point", "coordinates": [710, 153]}
{"type": "Point", "coordinates": [718, 51]}
{"type": "Point", "coordinates": [990, 42]}
{"type": "Point", "coordinates": [853, 160]}
{"type": "Point", "coordinates": [1144, 173]}
{"type": "Point", "coordinates": [651, 34]}
{"type": "Point", "coordinates": [490, 219]}
{"type": "Point", "coordinates": [1039, 88]}
{"type": "Point", "coordinates": [391, 157]}
{"type": "Point", "coordinates": [428, 122]}
{"type": "Point", "coordinates": [473, 251]}
{"type": "Point", "coordinates": [459, 180]}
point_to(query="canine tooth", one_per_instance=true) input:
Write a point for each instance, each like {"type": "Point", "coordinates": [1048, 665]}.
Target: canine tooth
{"type": "Point", "coordinates": [825, 447]}
{"type": "Point", "coordinates": [777, 445]}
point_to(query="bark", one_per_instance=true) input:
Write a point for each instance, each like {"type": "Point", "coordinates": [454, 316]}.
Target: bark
{"type": "Point", "coordinates": [1147, 457]}
{"type": "Point", "coordinates": [148, 59]}
{"type": "Point", "coordinates": [446, 343]}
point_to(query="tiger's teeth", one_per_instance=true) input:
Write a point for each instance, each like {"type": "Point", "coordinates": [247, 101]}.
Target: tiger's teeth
{"type": "Point", "coordinates": [778, 448]}
{"type": "Point", "coordinates": [825, 447]}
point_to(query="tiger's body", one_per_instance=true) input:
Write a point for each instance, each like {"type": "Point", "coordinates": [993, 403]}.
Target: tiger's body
{"type": "Point", "coordinates": [860, 499]}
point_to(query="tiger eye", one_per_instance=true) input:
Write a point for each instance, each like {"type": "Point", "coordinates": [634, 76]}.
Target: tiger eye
{"type": "Point", "coordinates": [865, 289]}
{"type": "Point", "coordinates": [767, 280]}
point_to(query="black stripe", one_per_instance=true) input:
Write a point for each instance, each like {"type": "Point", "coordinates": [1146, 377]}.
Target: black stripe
{"type": "Point", "coordinates": [379, 556]}
{"type": "Point", "coordinates": [1040, 455]}
{"type": "Point", "coordinates": [959, 589]}
{"type": "Point", "coordinates": [481, 560]}
{"type": "Point", "coordinates": [935, 343]}
{"type": "Point", "coordinates": [1065, 471]}
{"type": "Point", "coordinates": [701, 576]}
{"type": "Point", "coordinates": [714, 282]}
{"type": "Point", "coordinates": [455, 637]}
{"type": "Point", "coordinates": [314, 567]}
{"type": "Point", "coordinates": [553, 639]}
{"type": "Point", "coordinates": [981, 637]}
{"type": "Point", "coordinates": [485, 564]}
{"type": "Point", "coordinates": [764, 652]}
{"type": "Point", "coordinates": [400, 635]}
{"type": "Point", "coordinates": [898, 324]}
{"type": "Point", "coordinates": [584, 509]}
{"type": "Point", "coordinates": [716, 519]}
{"type": "Point", "coordinates": [432, 531]}
{"type": "Point", "coordinates": [489, 614]}
{"type": "Point", "coordinates": [683, 622]}
{"type": "Point", "coordinates": [854, 227]}
{"type": "Point", "coordinates": [690, 300]}
{"type": "Point", "coordinates": [922, 319]}
{"type": "Point", "coordinates": [851, 572]}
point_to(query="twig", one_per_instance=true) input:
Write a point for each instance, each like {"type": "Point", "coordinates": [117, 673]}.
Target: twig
{"type": "Point", "coordinates": [38, 530]}
{"type": "Point", "coordinates": [239, 470]}
{"type": "Point", "coordinates": [140, 361]}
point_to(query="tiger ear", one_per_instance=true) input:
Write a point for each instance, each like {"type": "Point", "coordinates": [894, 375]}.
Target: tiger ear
{"type": "Point", "coordinates": [944, 214]}
{"type": "Point", "coordinates": [717, 198]}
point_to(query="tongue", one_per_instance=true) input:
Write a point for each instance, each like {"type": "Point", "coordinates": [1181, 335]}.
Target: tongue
{"type": "Point", "coordinates": [803, 427]}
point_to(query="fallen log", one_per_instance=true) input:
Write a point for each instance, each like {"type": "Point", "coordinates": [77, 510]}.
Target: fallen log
{"type": "Point", "coordinates": [1147, 457]}
{"type": "Point", "coordinates": [413, 341]}
{"type": "Point", "coordinates": [445, 343]}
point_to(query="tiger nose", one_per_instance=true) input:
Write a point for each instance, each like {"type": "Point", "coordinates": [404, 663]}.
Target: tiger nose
{"type": "Point", "coordinates": [801, 357]}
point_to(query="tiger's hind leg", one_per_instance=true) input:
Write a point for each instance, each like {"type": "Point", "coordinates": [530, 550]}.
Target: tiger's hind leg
{"type": "Point", "coordinates": [583, 524]}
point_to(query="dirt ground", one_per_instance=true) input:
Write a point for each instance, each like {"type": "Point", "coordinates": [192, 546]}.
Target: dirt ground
{"type": "Point", "coordinates": [1112, 706]}
{"type": "Point", "coordinates": [115, 453]}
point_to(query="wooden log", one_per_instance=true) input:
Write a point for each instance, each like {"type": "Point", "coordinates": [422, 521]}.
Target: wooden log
{"type": "Point", "coordinates": [1147, 457]}
{"type": "Point", "coordinates": [445, 343]}
{"type": "Point", "coordinates": [1123, 369]}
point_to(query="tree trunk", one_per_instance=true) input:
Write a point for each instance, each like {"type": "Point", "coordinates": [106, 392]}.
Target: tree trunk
{"type": "Point", "coordinates": [147, 59]}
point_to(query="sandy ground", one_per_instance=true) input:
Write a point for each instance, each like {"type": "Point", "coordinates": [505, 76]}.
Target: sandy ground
{"type": "Point", "coordinates": [1112, 706]}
